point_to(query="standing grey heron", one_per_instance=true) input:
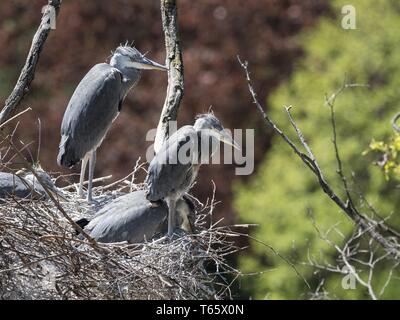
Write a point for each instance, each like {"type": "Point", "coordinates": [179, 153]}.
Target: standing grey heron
{"type": "Point", "coordinates": [133, 218]}
{"type": "Point", "coordinates": [172, 171]}
{"type": "Point", "coordinates": [94, 105]}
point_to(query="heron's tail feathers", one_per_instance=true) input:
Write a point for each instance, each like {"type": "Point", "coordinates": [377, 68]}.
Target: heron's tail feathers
{"type": "Point", "coordinates": [66, 155]}
{"type": "Point", "coordinates": [83, 222]}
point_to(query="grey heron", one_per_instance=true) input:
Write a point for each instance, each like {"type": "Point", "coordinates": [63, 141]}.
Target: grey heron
{"type": "Point", "coordinates": [24, 184]}
{"type": "Point", "coordinates": [133, 218]}
{"type": "Point", "coordinates": [94, 105]}
{"type": "Point", "coordinates": [172, 171]}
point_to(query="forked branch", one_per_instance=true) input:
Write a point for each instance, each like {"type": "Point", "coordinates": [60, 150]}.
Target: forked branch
{"type": "Point", "coordinates": [391, 245]}
{"type": "Point", "coordinates": [28, 71]}
{"type": "Point", "coordinates": [174, 63]}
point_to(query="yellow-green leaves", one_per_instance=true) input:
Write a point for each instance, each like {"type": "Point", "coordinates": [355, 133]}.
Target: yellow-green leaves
{"type": "Point", "coordinates": [388, 155]}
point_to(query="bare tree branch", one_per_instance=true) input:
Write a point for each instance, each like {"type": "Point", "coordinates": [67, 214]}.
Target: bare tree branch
{"type": "Point", "coordinates": [355, 261]}
{"type": "Point", "coordinates": [174, 63]}
{"type": "Point", "coordinates": [351, 211]}
{"type": "Point", "coordinates": [394, 122]}
{"type": "Point", "coordinates": [28, 71]}
{"type": "Point", "coordinates": [331, 102]}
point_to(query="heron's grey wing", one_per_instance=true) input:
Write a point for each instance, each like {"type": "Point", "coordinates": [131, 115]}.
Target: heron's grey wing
{"type": "Point", "coordinates": [90, 112]}
{"type": "Point", "coordinates": [167, 175]}
{"type": "Point", "coordinates": [129, 218]}
{"type": "Point", "coordinates": [12, 185]}
{"type": "Point", "coordinates": [44, 179]}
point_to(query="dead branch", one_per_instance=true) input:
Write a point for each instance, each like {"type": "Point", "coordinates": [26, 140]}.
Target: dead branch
{"type": "Point", "coordinates": [28, 71]}
{"type": "Point", "coordinates": [391, 245]}
{"type": "Point", "coordinates": [353, 260]}
{"type": "Point", "coordinates": [174, 63]}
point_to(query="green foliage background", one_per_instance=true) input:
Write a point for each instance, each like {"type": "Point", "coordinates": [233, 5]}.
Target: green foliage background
{"type": "Point", "coordinates": [283, 191]}
{"type": "Point", "coordinates": [389, 160]}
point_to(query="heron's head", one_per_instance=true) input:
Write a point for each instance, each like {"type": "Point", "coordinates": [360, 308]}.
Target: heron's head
{"type": "Point", "coordinates": [210, 124]}
{"type": "Point", "coordinates": [129, 57]}
{"type": "Point", "coordinates": [44, 179]}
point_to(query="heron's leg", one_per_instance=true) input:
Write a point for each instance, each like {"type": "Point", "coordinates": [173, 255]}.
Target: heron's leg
{"type": "Point", "coordinates": [82, 177]}
{"type": "Point", "coordinates": [92, 163]}
{"type": "Point", "coordinates": [171, 215]}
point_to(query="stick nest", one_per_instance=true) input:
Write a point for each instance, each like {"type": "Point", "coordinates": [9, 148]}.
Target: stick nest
{"type": "Point", "coordinates": [42, 258]}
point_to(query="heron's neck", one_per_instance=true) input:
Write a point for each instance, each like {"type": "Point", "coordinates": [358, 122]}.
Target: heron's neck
{"type": "Point", "coordinates": [130, 77]}
{"type": "Point", "coordinates": [207, 146]}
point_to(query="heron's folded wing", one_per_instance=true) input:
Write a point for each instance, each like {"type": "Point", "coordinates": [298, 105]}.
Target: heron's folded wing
{"type": "Point", "coordinates": [138, 198]}
{"type": "Point", "coordinates": [13, 185]}
{"type": "Point", "coordinates": [168, 171]}
{"type": "Point", "coordinates": [92, 109]}
{"type": "Point", "coordinates": [128, 218]}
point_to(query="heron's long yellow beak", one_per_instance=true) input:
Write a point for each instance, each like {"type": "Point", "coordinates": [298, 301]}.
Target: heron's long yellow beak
{"type": "Point", "coordinates": [149, 65]}
{"type": "Point", "coordinates": [225, 137]}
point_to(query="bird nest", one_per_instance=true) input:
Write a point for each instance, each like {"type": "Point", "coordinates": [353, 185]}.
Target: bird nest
{"type": "Point", "coordinates": [42, 258]}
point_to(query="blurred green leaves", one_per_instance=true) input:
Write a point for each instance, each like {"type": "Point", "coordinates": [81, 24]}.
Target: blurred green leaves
{"type": "Point", "coordinates": [388, 152]}
{"type": "Point", "coordinates": [283, 192]}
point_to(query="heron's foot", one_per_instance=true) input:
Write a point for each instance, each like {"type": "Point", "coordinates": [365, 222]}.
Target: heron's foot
{"type": "Point", "coordinates": [89, 199]}
{"type": "Point", "coordinates": [95, 203]}
{"type": "Point", "coordinates": [176, 233]}
{"type": "Point", "coordinates": [81, 194]}
{"type": "Point", "coordinates": [170, 234]}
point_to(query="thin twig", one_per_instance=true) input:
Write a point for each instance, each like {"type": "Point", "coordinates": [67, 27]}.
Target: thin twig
{"type": "Point", "coordinates": [310, 161]}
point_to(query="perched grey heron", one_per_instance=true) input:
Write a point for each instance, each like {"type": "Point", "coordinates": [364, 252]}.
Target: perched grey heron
{"type": "Point", "coordinates": [133, 218]}
{"type": "Point", "coordinates": [94, 105]}
{"type": "Point", "coordinates": [172, 171]}
{"type": "Point", "coordinates": [24, 184]}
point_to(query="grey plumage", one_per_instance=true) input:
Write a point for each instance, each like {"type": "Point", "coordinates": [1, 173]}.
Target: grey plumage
{"type": "Point", "coordinates": [166, 175]}
{"type": "Point", "coordinates": [90, 113]}
{"type": "Point", "coordinates": [25, 185]}
{"type": "Point", "coordinates": [12, 185]}
{"type": "Point", "coordinates": [175, 167]}
{"type": "Point", "coordinates": [95, 104]}
{"type": "Point", "coordinates": [133, 218]}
